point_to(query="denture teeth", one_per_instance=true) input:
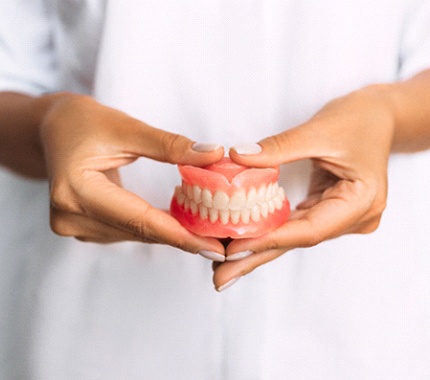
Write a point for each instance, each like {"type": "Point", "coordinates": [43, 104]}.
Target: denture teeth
{"type": "Point", "coordinates": [251, 199]}
{"type": "Point", "coordinates": [235, 216]}
{"type": "Point", "coordinates": [203, 211]}
{"type": "Point", "coordinates": [197, 194]}
{"type": "Point", "coordinates": [278, 202]}
{"type": "Point", "coordinates": [255, 213]}
{"type": "Point", "coordinates": [264, 210]}
{"type": "Point", "coordinates": [240, 206]}
{"type": "Point", "coordinates": [221, 200]}
{"type": "Point", "coordinates": [180, 196]}
{"type": "Point", "coordinates": [207, 198]}
{"type": "Point", "coordinates": [271, 206]}
{"type": "Point", "coordinates": [238, 201]}
{"type": "Point", "coordinates": [269, 192]}
{"type": "Point", "coordinates": [245, 216]}
{"type": "Point", "coordinates": [187, 204]}
{"type": "Point", "coordinates": [194, 208]}
{"type": "Point", "coordinates": [213, 215]}
{"type": "Point", "coordinates": [224, 216]}
{"type": "Point", "coordinates": [261, 194]}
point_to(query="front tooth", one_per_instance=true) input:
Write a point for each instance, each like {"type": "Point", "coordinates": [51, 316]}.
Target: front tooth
{"type": "Point", "coordinates": [238, 200]}
{"type": "Point", "coordinates": [203, 211]}
{"type": "Point", "coordinates": [255, 213]}
{"type": "Point", "coordinates": [180, 196]}
{"type": "Point", "coordinates": [251, 200]}
{"type": "Point", "coordinates": [207, 198]}
{"type": "Point", "coordinates": [235, 216]}
{"type": "Point", "coordinates": [221, 200]}
{"type": "Point", "coordinates": [213, 215]}
{"type": "Point", "coordinates": [245, 215]}
{"type": "Point", "coordinates": [261, 194]}
{"type": "Point", "coordinates": [197, 194]}
{"type": "Point", "coordinates": [264, 209]}
{"type": "Point", "coordinates": [224, 216]}
{"type": "Point", "coordinates": [194, 208]}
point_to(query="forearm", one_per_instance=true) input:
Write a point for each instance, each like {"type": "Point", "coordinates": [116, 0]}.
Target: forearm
{"type": "Point", "coordinates": [409, 105]}
{"type": "Point", "coordinates": [20, 118]}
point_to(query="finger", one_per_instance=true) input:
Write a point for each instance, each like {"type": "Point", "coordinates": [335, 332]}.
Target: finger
{"type": "Point", "coordinates": [333, 216]}
{"type": "Point", "coordinates": [106, 202]}
{"type": "Point", "coordinates": [292, 145]}
{"type": "Point", "coordinates": [227, 273]}
{"type": "Point", "coordinates": [88, 229]}
{"type": "Point", "coordinates": [164, 146]}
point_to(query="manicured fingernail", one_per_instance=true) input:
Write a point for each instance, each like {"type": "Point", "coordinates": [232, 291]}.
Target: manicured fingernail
{"type": "Point", "coordinates": [228, 284]}
{"type": "Point", "coordinates": [210, 255]}
{"type": "Point", "coordinates": [205, 147]}
{"type": "Point", "coordinates": [249, 149]}
{"type": "Point", "coordinates": [239, 255]}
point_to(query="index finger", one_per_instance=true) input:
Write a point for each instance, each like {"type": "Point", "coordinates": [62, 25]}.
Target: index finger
{"type": "Point", "coordinates": [118, 207]}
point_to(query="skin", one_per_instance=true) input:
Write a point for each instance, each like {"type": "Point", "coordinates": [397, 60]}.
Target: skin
{"type": "Point", "coordinates": [79, 145]}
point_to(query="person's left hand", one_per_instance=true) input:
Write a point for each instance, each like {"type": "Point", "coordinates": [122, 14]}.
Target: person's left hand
{"type": "Point", "coordinates": [349, 143]}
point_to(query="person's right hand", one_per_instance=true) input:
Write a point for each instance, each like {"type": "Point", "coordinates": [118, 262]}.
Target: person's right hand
{"type": "Point", "coordinates": [84, 145]}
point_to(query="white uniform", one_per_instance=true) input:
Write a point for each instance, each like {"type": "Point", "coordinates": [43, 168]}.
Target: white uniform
{"type": "Point", "coordinates": [229, 72]}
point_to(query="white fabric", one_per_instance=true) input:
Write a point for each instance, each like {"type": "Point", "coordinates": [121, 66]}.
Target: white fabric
{"type": "Point", "coordinates": [228, 72]}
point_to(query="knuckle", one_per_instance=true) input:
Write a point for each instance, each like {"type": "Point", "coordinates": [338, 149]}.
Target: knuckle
{"type": "Point", "coordinates": [170, 143]}
{"type": "Point", "coordinates": [62, 198]}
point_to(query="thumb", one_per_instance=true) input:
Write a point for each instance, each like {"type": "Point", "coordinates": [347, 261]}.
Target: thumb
{"type": "Point", "coordinates": [169, 147]}
{"type": "Point", "coordinates": [292, 145]}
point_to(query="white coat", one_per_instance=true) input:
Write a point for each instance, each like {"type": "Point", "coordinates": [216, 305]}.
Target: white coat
{"type": "Point", "coordinates": [229, 72]}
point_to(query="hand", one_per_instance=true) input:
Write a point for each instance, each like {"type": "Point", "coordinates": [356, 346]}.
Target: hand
{"type": "Point", "coordinates": [84, 144]}
{"type": "Point", "coordinates": [349, 143]}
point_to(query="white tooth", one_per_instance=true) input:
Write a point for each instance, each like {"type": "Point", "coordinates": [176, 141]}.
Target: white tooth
{"type": "Point", "coordinates": [207, 198]}
{"type": "Point", "coordinates": [238, 200]}
{"type": "Point", "coordinates": [180, 196]}
{"type": "Point", "coordinates": [261, 194]}
{"type": "Point", "coordinates": [224, 216]}
{"type": "Point", "coordinates": [187, 204]}
{"type": "Point", "coordinates": [269, 192]}
{"type": "Point", "coordinates": [194, 208]}
{"type": "Point", "coordinates": [213, 215]}
{"type": "Point", "coordinates": [255, 213]}
{"type": "Point", "coordinates": [245, 215]}
{"type": "Point", "coordinates": [264, 209]}
{"type": "Point", "coordinates": [197, 194]}
{"type": "Point", "coordinates": [251, 200]}
{"type": "Point", "coordinates": [271, 205]}
{"type": "Point", "coordinates": [278, 202]}
{"type": "Point", "coordinates": [221, 200]}
{"type": "Point", "coordinates": [235, 216]}
{"type": "Point", "coordinates": [189, 192]}
{"type": "Point", "coordinates": [281, 193]}
{"type": "Point", "coordinates": [203, 211]}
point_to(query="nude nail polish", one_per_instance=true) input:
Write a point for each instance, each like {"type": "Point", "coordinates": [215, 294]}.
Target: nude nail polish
{"type": "Point", "coordinates": [248, 149]}
{"type": "Point", "coordinates": [239, 255]}
{"type": "Point", "coordinates": [228, 284]}
{"type": "Point", "coordinates": [210, 255]}
{"type": "Point", "coordinates": [205, 147]}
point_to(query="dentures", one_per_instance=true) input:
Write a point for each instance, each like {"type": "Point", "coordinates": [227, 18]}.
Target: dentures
{"type": "Point", "coordinates": [229, 200]}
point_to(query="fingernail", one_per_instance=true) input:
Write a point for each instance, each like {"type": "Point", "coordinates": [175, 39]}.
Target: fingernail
{"type": "Point", "coordinates": [228, 284]}
{"type": "Point", "coordinates": [249, 149]}
{"type": "Point", "coordinates": [239, 255]}
{"type": "Point", "coordinates": [205, 147]}
{"type": "Point", "coordinates": [210, 255]}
